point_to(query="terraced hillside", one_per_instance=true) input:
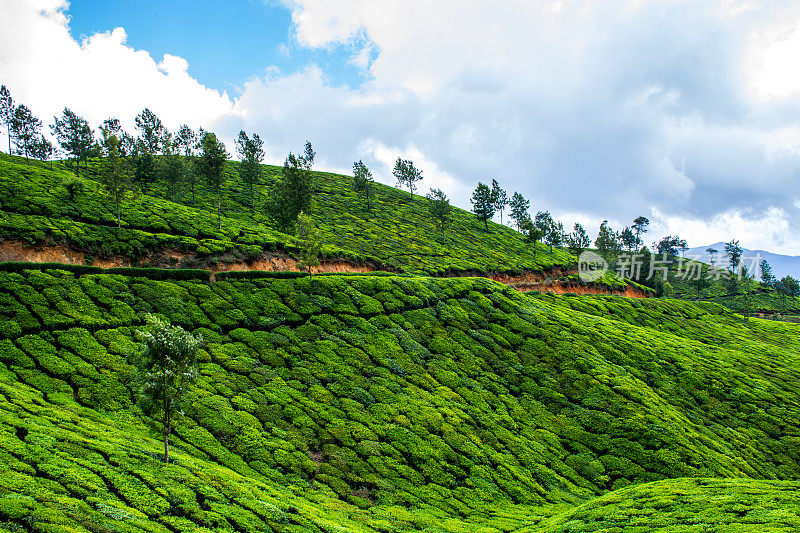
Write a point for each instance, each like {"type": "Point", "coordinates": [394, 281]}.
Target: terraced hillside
{"type": "Point", "coordinates": [42, 205]}
{"type": "Point", "coordinates": [387, 403]}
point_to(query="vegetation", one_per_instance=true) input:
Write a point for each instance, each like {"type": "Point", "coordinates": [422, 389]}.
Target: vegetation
{"type": "Point", "coordinates": [167, 365]}
{"type": "Point", "coordinates": [387, 403]}
{"type": "Point", "coordinates": [483, 204]}
{"type": "Point", "coordinates": [37, 208]}
{"type": "Point", "coordinates": [407, 175]}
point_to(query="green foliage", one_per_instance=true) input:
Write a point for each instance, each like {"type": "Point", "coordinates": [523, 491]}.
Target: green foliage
{"type": "Point", "coordinates": [397, 234]}
{"type": "Point", "coordinates": [167, 365]}
{"type": "Point", "coordinates": [309, 241]}
{"type": "Point", "coordinates": [379, 402]}
{"type": "Point", "coordinates": [483, 204]}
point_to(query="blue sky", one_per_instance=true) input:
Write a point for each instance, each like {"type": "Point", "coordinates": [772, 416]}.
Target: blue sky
{"type": "Point", "coordinates": [225, 42]}
{"type": "Point", "coordinates": [684, 111]}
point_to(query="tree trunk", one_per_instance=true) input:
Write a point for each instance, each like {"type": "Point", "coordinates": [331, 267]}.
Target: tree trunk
{"type": "Point", "coordinates": [166, 436]}
{"type": "Point", "coordinates": [219, 209]}
{"type": "Point", "coordinates": [8, 132]}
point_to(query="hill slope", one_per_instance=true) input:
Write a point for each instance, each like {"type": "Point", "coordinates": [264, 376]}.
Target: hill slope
{"type": "Point", "coordinates": [40, 205]}
{"type": "Point", "coordinates": [384, 403]}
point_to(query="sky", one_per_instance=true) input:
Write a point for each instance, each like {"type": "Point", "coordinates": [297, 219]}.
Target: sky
{"type": "Point", "coordinates": [684, 111]}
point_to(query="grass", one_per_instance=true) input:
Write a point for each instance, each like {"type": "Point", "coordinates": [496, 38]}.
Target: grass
{"type": "Point", "coordinates": [387, 403]}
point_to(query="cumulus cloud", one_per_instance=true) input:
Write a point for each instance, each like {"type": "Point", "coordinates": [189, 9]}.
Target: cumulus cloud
{"type": "Point", "coordinates": [98, 77]}
{"type": "Point", "coordinates": [683, 110]}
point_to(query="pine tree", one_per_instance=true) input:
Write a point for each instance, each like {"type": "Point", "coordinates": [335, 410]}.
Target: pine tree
{"type": "Point", "coordinates": [251, 153]}
{"type": "Point", "coordinates": [519, 209]}
{"type": "Point", "coordinates": [578, 240]}
{"type": "Point", "coordinates": [639, 228]}
{"type": "Point", "coordinates": [116, 176]}
{"type": "Point", "coordinates": [628, 239]}
{"type": "Point", "coordinates": [439, 207]}
{"type": "Point", "coordinates": [24, 129]}
{"type": "Point", "coordinates": [186, 142]}
{"type": "Point", "coordinates": [6, 112]}
{"type": "Point", "coordinates": [500, 198]}
{"type": "Point", "coordinates": [152, 133]}
{"type": "Point", "coordinates": [75, 136]}
{"type": "Point", "coordinates": [363, 184]}
{"type": "Point", "coordinates": [483, 204]}
{"type": "Point", "coordinates": [608, 242]}
{"type": "Point", "coordinates": [42, 149]}
{"type": "Point", "coordinates": [294, 192]}
{"type": "Point", "coordinates": [734, 253]}
{"type": "Point", "coordinates": [211, 165]}
{"type": "Point", "coordinates": [407, 174]}
{"type": "Point", "coordinates": [767, 277]}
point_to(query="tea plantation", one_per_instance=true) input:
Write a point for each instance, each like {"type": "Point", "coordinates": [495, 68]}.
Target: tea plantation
{"type": "Point", "coordinates": [381, 403]}
{"type": "Point", "coordinates": [42, 205]}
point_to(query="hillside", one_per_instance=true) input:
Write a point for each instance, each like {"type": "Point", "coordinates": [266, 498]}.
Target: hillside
{"type": "Point", "coordinates": [39, 205]}
{"type": "Point", "coordinates": [782, 265]}
{"type": "Point", "coordinates": [387, 403]}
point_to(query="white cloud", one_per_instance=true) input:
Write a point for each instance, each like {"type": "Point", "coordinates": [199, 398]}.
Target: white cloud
{"type": "Point", "coordinates": [770, 230]}
{"type": "Point", "coordinates": [99, 77]}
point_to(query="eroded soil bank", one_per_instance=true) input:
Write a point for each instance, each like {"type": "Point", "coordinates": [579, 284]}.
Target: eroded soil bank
{"type": "Point", "coordinates": [549, 281]}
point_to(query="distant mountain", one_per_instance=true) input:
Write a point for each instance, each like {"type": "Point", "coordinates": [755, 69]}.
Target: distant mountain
{"type": "Point", "coordinates": [782, 265]}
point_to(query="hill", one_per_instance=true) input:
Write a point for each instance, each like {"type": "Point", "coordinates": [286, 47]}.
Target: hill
{"type": "Point", "coordinates": [782, 265]}
{"type": "Point", "coordinates": [392, 403]}
{"type": "Point", "coordinates": [42, 205]}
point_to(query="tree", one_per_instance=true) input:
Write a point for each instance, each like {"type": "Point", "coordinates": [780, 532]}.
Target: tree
{"type": "Point", "coordinates": [734, 253]}
{"type": "Point", "coordinates": [308, 156]}
{"type": "Point", "coordinates": [152, 133]}
{"type": "Point", "coordinates": [294, 192]}
{"type": "Point", "coordinates": [482, 203]}
{"type": "Point", "coordinates": [251, 153]}
{"type": "Point", "coordinates": [639, 228]}
{"type": "Point", "coordinates": [24, 129]}
{"type": "Point", "coordinates": [310, 242]}
{"type": "Point", "coordinates": [144, 166]}
{"type": "Point", "coordinates": [532, 233]}
{"type": "Point", "coordinates": [628, 239]}
{"type": "Point", "coordinates": [363, 184]}
{"type": "Point", "coordinates": [439, 207]}
{"type": "Point", "coordinates": [167, 364]}
{"type": "Point", "coordinates": [556, 236]}
{"type": "Point", "coordinates": [608, 242]}
{"type": "Point", "coordinates": [170, 169]}
{"type": "Point", "coordinates": [127, 144]}
{"type": "Point", "coordinates": [407, 174]}
{"type": "Point", "coordinates": [544, 221]}
{"type": "Point", "coordinates": [767, 277]}
{"type": "Point", "coordinates": [186, 142]}
{"type": "Point", "coordinates": [211, 165]}
{"type": "Point", "coordinates": [711, 252]}
{"type": "Point", "coordinates": [500, 198]}
{"type": "Point", "coordinates": [519, 209]}
{"type": "Point", "coordinates": [6, 112]}
{"type": "Point", "coordinates": [670, 245]}
{"type": "Point", "coordinates": [116, 176]}
{"type": "Point", "coordinates": [578, 240]}
{"type": "Point", "coordinates": [109, 127]}
{"type": "Point", "coordinates": [42, 149]}
{"type": "Point", "coordinates": [787, 287]}
{"type": "Point", "coordinates": [74, 135]}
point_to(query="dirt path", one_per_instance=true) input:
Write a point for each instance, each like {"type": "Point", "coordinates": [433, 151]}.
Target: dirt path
{"type": "Point", "coordinates": [275, 261]}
